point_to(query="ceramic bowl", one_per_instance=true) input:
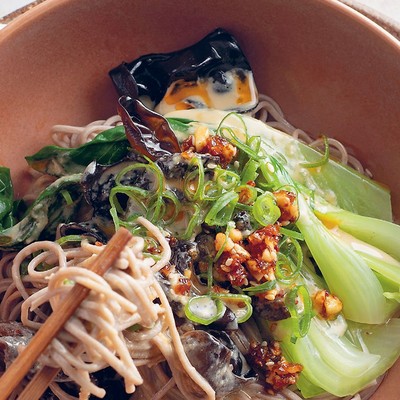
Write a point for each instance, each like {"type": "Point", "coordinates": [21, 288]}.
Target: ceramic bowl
{"type": "Point", "coordinates": [332, 70]}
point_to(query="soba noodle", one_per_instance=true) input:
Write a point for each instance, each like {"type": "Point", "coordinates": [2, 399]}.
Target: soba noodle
{"type": "Point", "coordinates": [98, 334]}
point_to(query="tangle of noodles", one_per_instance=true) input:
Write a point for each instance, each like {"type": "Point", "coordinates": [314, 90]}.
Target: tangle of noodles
{"type": "Point", "coordinates": [151, 360]}
{"type": "Point", "coordinates": [98, 334]}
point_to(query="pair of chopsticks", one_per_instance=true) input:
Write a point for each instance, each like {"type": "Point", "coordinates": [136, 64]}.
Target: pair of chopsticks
{"type": "Point", "coordinates": [52, 326]}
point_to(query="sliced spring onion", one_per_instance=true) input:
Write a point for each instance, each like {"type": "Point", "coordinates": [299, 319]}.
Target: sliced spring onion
{"type": "Point", "coordinates": [265, 211]}
{"type": "Point", "coordinates": [238, 116]}
{"type": "Point", "coordinates": [263, 287]}
{"type": "Point", "coordinates": [136, 195]}
{"type": "Point", "coordinates": [170, 200]}
{"type": "Point", "coordinates": [254, 142]}
{"type": "Point", "coordinates": [193, 222]}
{"type": "Point", "coordinates": [249, 172]}
{"type": "Point", "coordinates": [240, 304]}
{"type": "Point", "coordinates": [194, 180]}
{"type": "Point", "coordinates": [221, 211]}
{"type": "Point", "coordinates": [151, 167]}
{"type": "Point", "coordinates": [230, 135]}
{"type": "Point", "coordinates": [230, 225]}
{"type": "Point", "coordinates": [211, 191]}
{"type": "Point", "coordinates": [228, 180]}
{"type": "Point", "coordinates": [269, 178]}
{"type": "Point", "coordinates": [291, 233]}
{"type": "Point", "coordinates": [286, 270]}
{"type": "Point", "coordinates": [156, 209]}
{"type": "Point", "coordinates": [324, 159]}
{"type": "Point", "coordinates": [289, 264]}
{"type": "Point", "coordinates": [210, 279]}
{"type": "Point", "coordinates": [299, 305]}
{"type": "Point", "coordinates": [204, 309]}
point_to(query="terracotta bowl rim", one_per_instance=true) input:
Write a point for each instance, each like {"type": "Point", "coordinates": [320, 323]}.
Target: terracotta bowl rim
{"type": "Point", "coordinates": [42, 10]}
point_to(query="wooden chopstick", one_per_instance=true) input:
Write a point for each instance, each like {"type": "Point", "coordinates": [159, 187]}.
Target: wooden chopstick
{"type": "Point", "coordinates": [54, 323]}
{"type": "Point", "coordinates": [39, 383]}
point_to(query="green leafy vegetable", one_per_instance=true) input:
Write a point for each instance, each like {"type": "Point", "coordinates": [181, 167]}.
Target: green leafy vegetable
{"type": "Point", "coordinates": [106, 148]}
{"type": "Point", "coordinates": [382, 234]}
{"type": "Point", "coordinates": [345, 271]}
{"type": "Point", "coordinates": [6, 197]}
{"type": "Point", "coordinates": [48, 210]}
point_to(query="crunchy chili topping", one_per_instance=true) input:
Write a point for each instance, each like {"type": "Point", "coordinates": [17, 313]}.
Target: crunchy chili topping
{"type": "Point", "coordinates": [188, 145]}
{"type": "Point", "coordinates": [166, 271]}
{"type": "Point", "coordinates": [268, 361]}
{"type": "Point", "coordinates": [218, 146]}
{"type": "Point", "coordinates": [327, 305]}
{"type": "Point", "coordinates": [286, 201]}
{"type": "Point", "coordinates": [245, 195]}
{"type": "Point", "coordinates": [214, 145]}
{"type": "Point", "coordinates": [230, 268]}
{"type": "Point", "coordinates": [262, 245]}
{"type": "Point", "coordinates": [183, 286]}
{"type": "Point", "coordinates": [253, 258]}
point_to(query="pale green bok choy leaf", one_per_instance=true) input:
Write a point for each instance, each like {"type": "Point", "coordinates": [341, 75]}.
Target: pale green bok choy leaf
{"type": "Point", "coordinates": [346, 273]}
{"type": "Point", "coordinates": [337, 364]}
{"type": "Point", "coordinates": [330, 362]}
{"type": "Point", "coordinates": [381, 234]}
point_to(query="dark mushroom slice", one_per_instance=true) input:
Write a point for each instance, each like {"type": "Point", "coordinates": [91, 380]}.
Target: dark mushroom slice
{"type": "Point", "coordinates": [213, 360]}
{"type": "Point", "coordinates": [271, 310]}
{"type": "Point", "coordinates": [148, 133]}
{"type": "Point", "coordinates": [85, 229]}
{"type": "Point", "coordinates": [212, 73]}
{"type": "Point", "coordinates": [183, 253]}
{"type": "Point", "coordinates": [98, 180]}
{"type": "Point", "coordinates": [228, 322]}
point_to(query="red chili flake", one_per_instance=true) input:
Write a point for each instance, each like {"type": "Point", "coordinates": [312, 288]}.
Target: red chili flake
{"type": "Point", "coordinates": [188, 144]}
{"type": "Point", "coordinates": [229, 268]}
{"type": "Point", "coordinates": [166, 270]}
{"type": "Point", "coordinates": [183, 286]}
{"type": "Point", "coordinates": [259, 240]}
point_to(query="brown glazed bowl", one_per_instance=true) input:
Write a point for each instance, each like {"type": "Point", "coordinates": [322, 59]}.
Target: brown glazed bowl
{"type": "Point", "coordinates": [332, 71]}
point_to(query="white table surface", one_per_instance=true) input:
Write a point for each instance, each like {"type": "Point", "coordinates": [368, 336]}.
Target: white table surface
{"type": "Point", "coordinates": [389, 9]}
